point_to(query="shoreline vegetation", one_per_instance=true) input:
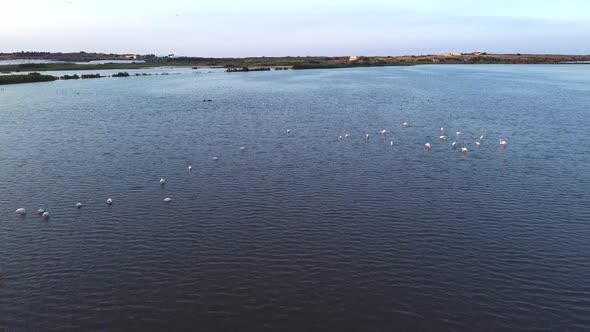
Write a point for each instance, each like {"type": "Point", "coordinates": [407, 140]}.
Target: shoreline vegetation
{"type": "Point", "coordinates": [37, 77]}
{"type": "Point", "coordinates": [26, 78]}
{"type": "Point", "coordinates": [247, 69]}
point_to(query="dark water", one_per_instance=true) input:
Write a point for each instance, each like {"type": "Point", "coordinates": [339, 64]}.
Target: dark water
{"type": "Point", "coordinates": [300, 232]}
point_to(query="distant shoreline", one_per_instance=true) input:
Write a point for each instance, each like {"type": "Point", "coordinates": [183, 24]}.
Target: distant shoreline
{"type": "Point", "coordinates": [17, 73]}
{"type": "Point", "coordinates": [309, 62]}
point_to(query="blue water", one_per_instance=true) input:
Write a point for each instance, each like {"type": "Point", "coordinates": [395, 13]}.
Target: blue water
{"type": "Point", "coordinates": [301, 231]}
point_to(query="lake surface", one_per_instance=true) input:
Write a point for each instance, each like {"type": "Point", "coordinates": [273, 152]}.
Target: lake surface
{"type": "Point", "coordinates": [43, 61]}
{"type": "Point", "coordinates": [28, 61]}
{"type": "Point", "coordinates": [301, 231]}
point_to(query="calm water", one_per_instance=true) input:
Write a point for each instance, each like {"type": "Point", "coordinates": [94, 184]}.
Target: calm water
{"type": "Point", "coordinates": [27, 61]}
{"type": "Point", "coordinates": [43, 61]}
{"type": "Point", "coordinates": [301, 232]}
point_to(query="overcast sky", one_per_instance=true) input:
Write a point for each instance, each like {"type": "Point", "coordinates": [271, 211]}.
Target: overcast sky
{"type": "Point", "coordinates": [302, 27]}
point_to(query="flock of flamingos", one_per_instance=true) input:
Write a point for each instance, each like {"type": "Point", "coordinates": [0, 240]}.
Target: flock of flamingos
{"type": "Point", "coordinates": [21, 212]}
{"type": "Point", "coordinates": [443, 137]}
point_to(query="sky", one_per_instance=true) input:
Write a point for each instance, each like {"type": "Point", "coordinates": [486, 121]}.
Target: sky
{"type": "Point", "coordinates": [224, 28]}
